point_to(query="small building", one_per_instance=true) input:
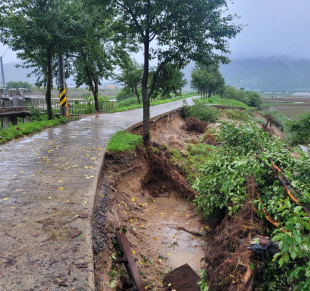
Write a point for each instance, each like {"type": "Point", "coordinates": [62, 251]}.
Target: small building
{"type": "Point", "coordinates": [110, 87]}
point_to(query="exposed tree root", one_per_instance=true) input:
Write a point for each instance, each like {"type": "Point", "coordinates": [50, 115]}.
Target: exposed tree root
{"type": "Point", "coordinates": [162, 169]}
{"type": "Point", "coordinates": [229, 262]}
{"type": "Point", "coordinates": [193, 123]}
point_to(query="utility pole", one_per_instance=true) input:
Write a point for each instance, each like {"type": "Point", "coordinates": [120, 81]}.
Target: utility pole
{"type": "Point", "coordinates": [62, 87]}
{"type": "Point", "coordinates": [62, 83]}
{"type": "Point", "coordinates": [2, 73]}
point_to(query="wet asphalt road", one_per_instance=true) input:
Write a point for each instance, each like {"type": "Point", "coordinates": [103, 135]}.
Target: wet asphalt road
{"type": "Point", "coordinates": [47, 186]}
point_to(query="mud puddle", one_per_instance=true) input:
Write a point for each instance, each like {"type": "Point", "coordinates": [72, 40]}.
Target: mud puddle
{"type": "Point", "coordinates": [170, 218]}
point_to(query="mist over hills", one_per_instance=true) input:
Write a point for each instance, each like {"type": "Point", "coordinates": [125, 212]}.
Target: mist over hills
{"type": "Point", "coordinates": [11, 73]}
{"type": "Point", "coordinates": [265, 73]}
{"type": "Point", "coordinates": [257, 73]}
{"type": "Point", "coordinates": [269, 73]}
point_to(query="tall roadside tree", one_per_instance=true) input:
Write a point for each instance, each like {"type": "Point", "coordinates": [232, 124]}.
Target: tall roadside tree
{"type": "Point", "coordinates": [175, 31]}
{"type": "Point", "coordinates": [130, 76]}
{"type": "Point", "coordinates": [207, 79]}
{"type": "Point", "coordinates": [40, 30]}
{"type": "Point", "coordinates": [200, 80]}
{"type": "Point", "coordinates": [99, 49]}
{"type": "Point", "coordinates": [169, 80]}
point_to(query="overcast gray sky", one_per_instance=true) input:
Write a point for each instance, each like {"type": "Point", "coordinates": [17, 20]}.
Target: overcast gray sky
{"type": "Point", "coordinates": [275, 27]}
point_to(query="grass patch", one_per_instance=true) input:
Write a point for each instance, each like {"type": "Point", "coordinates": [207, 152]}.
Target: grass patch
{"type": "Point", "coordinates": [22, 129]}
{"type": "Point", "coordinates": [153, 103]}
{"type": "Point", "coordinates": [236, 114]}
{"type": "Point", "coordinates": [217, 100]}
{"type": "Point", "coordinates": [277, 118]}
{"type": "Point", "coordinates": [190, 163]}
{"type": "Point", "coordinates": [123, 141]}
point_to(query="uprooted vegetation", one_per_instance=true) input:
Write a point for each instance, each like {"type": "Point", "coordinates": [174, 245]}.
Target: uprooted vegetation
{"type": "Point", "coordinates": [251, 189]}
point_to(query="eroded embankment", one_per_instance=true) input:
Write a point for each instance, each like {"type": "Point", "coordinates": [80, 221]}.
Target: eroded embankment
{"type": "Point", "coordinates": [143, 194]}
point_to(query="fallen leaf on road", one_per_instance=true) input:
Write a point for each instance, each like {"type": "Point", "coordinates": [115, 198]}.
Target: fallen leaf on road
{"type": "Point", "coordinates": [6, 199]}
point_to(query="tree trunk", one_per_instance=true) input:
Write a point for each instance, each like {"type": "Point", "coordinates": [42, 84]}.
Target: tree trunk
{"type": "Point", "coordinates": [48, 93]}
{"type": "Point", "coordinates": [137, 94]}
{"type": "Point", "coordinates": [145, 97]}
{"type": "Point", "coordinates": [95, 92]}
{"type": "Point", "coordinates": [209, 96]}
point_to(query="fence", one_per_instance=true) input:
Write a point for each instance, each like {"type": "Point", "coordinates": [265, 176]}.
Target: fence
{"type": "Point", "coordinates": [76, 106]}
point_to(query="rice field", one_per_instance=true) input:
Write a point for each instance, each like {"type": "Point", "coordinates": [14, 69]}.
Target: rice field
{"type": "Point", "coordinates": [291, 106]}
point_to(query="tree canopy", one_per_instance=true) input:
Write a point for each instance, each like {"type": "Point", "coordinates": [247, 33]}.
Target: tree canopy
{"type": "Point", "coordinates": [207, 79]}
{"type": "Point", "coordinates": [38, 32]}
{"type": "Point", "coordinates": [179, 31]}
{"type": "Point", "coordinates": [100, 49]}
{"type": "Point", "coordinates": [130, 76]}
{"type": "Point", "coordinates": [169, 80]}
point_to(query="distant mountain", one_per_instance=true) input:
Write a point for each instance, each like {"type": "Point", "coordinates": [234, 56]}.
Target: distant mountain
{"type": "Point", "coordinates": [11, 73]}
{"type": "Point", "coordinates": [272, 73]}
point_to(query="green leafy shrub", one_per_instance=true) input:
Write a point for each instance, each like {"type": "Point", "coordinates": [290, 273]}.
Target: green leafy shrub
{"type": "Point", "coordinates": [127, 102]}
{"type": "Point", "coordinates": [124, 94]}
{"type": "Point", "coordinates": [123, 141]}
{"type": "Point", "coordinates": [102, 97]}
{"type": "Point", "coordinates": [251, 98]}
{"type": "Point", "coordinates": [222, 185]}
{"type": "Point", "coordinates": [36, 114]}
{"type": "Point", "coordinates": [299, 131]}
{"type": "Point", "coordinates": [201, 110]}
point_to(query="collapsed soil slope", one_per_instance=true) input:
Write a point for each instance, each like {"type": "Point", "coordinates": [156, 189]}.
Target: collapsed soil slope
{"type": "Point", "coordinates": [162, 227]}
{"type": "Point", "coordinates": [144, 197]}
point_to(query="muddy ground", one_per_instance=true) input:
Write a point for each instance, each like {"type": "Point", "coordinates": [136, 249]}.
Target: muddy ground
{"type": "Point", "coordinates": [163, 230]}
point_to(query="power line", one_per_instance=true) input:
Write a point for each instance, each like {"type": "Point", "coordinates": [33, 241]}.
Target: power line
{"type": "Point", "coordinates": [5, 52]}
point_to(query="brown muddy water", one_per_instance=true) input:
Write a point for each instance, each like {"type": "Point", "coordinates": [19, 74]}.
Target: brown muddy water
{"type": "Point", "coordinates": [167, 214]}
